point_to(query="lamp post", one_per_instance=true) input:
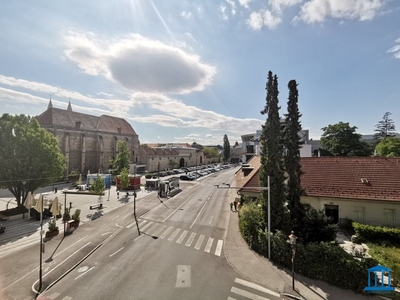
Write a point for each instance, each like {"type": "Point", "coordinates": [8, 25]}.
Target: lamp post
{"type": "Point", "coordinates": [134, 198]}
{"type": "Point", "coordinates": [109, 188]}
{"type": "Point", "coordinates": [23, 215]}
{"type": "Point", "coordinates": [292, 240]}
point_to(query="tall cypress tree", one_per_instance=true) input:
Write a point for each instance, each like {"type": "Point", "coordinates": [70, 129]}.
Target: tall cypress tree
{"type": "Point", "coordinates": [271, 157]}
{"type": "Point", "coordinates": [227, 149]}
{"type": "Point", "coordinates": [292, 143]}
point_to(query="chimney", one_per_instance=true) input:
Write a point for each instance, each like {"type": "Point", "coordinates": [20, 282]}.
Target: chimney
{"type": "Point", "coordinates": [319, 153]}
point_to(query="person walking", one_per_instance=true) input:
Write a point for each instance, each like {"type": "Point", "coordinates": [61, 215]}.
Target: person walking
{"type": "Point", "coordinates": [235, 204]}
{"type": "Point", "coordinates": [117, 194]}
{"type": "Point", "coordinates": [231, 205]}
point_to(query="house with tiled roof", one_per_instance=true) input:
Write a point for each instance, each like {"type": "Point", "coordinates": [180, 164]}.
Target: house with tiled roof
{"type": "Point", "coordinates": [362, 189]}
{"type": "Point", "coordinates": [89, 142]}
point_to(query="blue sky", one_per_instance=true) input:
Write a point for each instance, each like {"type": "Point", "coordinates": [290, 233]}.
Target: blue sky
{"type": "Point", "coordinates": [192, 71]}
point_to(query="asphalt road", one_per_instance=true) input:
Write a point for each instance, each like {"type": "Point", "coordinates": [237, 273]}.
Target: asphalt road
{"type": "Point", "coordinates": [179, 254]}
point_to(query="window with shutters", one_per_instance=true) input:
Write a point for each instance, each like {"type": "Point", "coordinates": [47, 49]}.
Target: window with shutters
{"type": "Point", "coordinates": [389, 217]}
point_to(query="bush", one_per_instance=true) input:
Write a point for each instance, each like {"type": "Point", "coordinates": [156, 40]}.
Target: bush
{"type": "Point", "coordinates": [377, 234]}
{"type": "Point", "coordinates": [148, 176]}
{"type": "Point", "coordinates": [250, 221]}
{"type": "Point", "coordinates": [66, 215]}
{"type": "Point", "coordinates": [14, 211]}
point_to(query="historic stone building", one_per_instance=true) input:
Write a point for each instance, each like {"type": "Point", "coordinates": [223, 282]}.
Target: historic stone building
{"type": "Point", "coordinates": [89, 142]}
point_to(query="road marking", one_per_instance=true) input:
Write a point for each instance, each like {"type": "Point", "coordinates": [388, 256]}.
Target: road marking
{"type": "Point", "coordinates": [84, 273]}
{"type": "Point", "coordinates": [199, 242]}
{"type": "Point", "coordinates": [230, 298]}
{"type": "Point", "coordinates": [115, 217]}
{"type": "Point", "coordinates": [132, 224]}
{"type": "Point", "coordinates": [247, 294]}
{"type": "Point", "coordinates": [190, 240]}
{"type": "Point", "coordinates": [67, 298]}
{"type": "Point", "coordinates": [153, 228]}
{"type": "Point", "coordinates": [183, 276]}
{"type": "Point", "coordinates": [166, 232]}
{"type": "Point", "coordinates": [174, 234]}
{"type": "Point", "coordinates": [199, 214]}
{"type": "Point", "coordinates": [146, 226]}
{"type": "Point", "coordinates": [159, 230]}
{"type": "Point", "coordinates": [116, 252]}
{"type": "Point", "coordinates": [209, 244]}
{"type": "Point", "coordinates": [126, 216]}
{"type": "Point", "coordinates": [178, 208]}
{"type": "Point", "coordinates": [256, 287]}
{"type": "Point", "coordinates": [119, 226]}
{"type": "Point", "coordinates": [106, 233]}
{"type": "Point", "coordinates": [53, 296]}
{"type": "Point", "coordinates": [212, 219]}
{"type": "Point", "coordinates": [218, 250]}
{"type": "Point", "coordinates": [180, 239]}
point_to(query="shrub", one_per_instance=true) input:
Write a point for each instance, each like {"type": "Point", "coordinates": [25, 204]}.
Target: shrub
{"type": "Point", "coordinates": [250, 221]}
{"type": "Point", "coordinates": [148, 176]}
{"type": "Point", "coordinates": [377, 234]}
{"type": "Point", "coordinates": [66, 215]}
{"type": "Point", "coordinates": [52, 225]}
{"type": "Point", "coordinates": [14, 211]}
{"type": "Point", "coordinates": [76, 215]}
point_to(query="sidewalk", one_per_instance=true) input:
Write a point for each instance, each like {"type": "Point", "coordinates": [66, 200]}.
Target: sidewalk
{"type": "Point", "coordinates": [260, 270]}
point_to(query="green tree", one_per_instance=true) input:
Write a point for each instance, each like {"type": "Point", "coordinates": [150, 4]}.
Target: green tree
{"type": "Point", "coordinates": [197, 146]}
{"type": "Point", "coordinates": [342, 140]}
{"type": "Point", "coordinates": [385, 128]}
{"type": "Point", "coordinates": [227, 149]}
{"type": "Point", "coordinates": [271, 157]}
{"type": "Point", "coordinates": [98, 187]}
{"type": "Point", "coordinates": [293, 143]}
{"type": "Point", "coordinates": [122, 160]}
{"type": "Point", "coordinates": [210, 152]}
{"type": "Point", "coordinates": [388, 147]}
{"type": "Point", "coordinates": [172, 163]}
{"type": "Point", "coordinates": [27, 153]}
{"type": "Point", "coordinates": [124, 177]}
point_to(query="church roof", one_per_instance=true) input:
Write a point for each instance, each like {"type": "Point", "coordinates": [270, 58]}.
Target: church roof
{"type": "Point", "coordinates": [60, 118]}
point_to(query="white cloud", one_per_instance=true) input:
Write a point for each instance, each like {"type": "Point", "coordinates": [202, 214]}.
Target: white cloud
{"type": "Point", "coordinates": [209, 135]}
{"type": "Point", "coordinates": [222, 10]}
{"type": "Point", "coordinates": [186, 14]}
{"type": "Point", "coordinates": [318, 10]}
{"type": "Point", "coordinates": [395, 49]}
{"type": "Point", "coordinates": [279, 5]}
{"type": "Point", "coordinates": [139, 64]}
{"type": "Point", "coordinates": [263, 17]}
{"type": "Point", "coordinates": [244, 3]}
{"type": "Point", "coordinates": [233, 6]}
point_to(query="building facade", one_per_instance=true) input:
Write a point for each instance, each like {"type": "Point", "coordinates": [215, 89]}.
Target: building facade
{"type": "Point", "coordinates": [89, 142]}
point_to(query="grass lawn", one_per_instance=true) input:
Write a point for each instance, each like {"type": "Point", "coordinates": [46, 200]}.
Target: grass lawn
{"type": "Point", "coordinates": [388, 256]}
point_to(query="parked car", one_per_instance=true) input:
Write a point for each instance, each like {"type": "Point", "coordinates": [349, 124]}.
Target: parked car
{"type": "Point", "coordinates": [186, 177]}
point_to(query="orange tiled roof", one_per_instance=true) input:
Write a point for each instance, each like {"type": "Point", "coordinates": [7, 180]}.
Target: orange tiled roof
{"type": "Point", "coordinates": [373, 178]}
{"type": "Point", "coordinates": [249, 178]}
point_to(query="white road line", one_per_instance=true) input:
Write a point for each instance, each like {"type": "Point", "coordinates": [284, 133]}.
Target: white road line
{"type": "Point", "coordinates": [190, 240]}
{"type": "Point", "coordinates": [116, 252]}
{"type": "Point", "coordinates": [199, 242]}
{"type": "Point", "coordinates": [166, 232]}
{"type": "Point", "coordinates": [132, 224]}
{"type": "Point", "coordinates": [230, 298]}
{"type": "Point", "coordinates": [84, 273]}
{"type": "Point", "coordinates": [146, 226]}
{"type": "Point", "coordinates": [173, 235]}
{"type": "Point", "coordinates": [256, 287]}
{"type": "Point", "coordinates": [115, 217]}
{"type": "Point", "coordinates": [53, 296]}
{"type": "Point", "coordinates": [178, 208]}
{"type": "Point", "coordinates": [209, 244]}
{"type": "Point", "coordinates": [105, 233]}
{"type": "Point", "coordinates": [180, 239]}
{"type": "Point", "coordinates": [247, 294]}
{"type": "Point", "coordinates": [218, 250]}
{"type": "Point", "coordinates": [119, 226]}
{"type": "Point", "coordinates": [153, 229]}
{"type": "Point", "coordinates": [126, 216]}
{"type": "Point", "coordinates": [199, 214]}
{"type": "Point", "coordinates": [159, 230]}
{"type": "Point", "coordinates": [67, 298]}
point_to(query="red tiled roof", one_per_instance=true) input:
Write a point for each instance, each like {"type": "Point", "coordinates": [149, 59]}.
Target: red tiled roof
{"type": "Point", "coordinates": [343, 177]}
{"type": "Point", "coordinates": [249, 178]}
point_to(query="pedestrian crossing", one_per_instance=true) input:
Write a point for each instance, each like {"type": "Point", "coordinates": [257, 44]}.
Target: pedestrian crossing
{"type": "Point", "coordinates": [181, 236]}
{"type": "Point", "coordinates": [243, 289]}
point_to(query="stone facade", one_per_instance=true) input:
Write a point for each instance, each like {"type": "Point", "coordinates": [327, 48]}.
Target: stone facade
{"type": "Point", "coordinates": [89, 142]}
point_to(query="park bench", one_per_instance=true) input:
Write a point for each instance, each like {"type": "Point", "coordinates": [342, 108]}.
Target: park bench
{"type": "Point", "coordinates": [98, 205]}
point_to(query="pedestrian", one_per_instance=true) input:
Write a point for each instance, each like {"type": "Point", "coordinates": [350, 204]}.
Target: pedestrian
{"type": "Point", "coordinates": [231, 204]}
{"type": "Point", "coordinates": [235, 204]}
{"type": "Point", "coordinates": [117, 194]}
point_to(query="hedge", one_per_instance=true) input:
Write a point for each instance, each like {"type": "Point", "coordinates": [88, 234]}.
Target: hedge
{"type": "Point", "coordinates": [376, 234]}
{"type": "Point", "coordinates": [14, 211]}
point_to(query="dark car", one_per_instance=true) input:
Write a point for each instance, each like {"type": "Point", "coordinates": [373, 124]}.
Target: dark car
{"type": "Point", "coordinates": [185, 177]}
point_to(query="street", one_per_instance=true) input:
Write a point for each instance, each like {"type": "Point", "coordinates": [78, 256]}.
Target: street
{"type": "Point", "coordinates": [179, 254]}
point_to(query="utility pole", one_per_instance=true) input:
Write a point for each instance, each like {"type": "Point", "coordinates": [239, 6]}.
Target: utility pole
{"type": "Point", "coordinates": [134, 198]}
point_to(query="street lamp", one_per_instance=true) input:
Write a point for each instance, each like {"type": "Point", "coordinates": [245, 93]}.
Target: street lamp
{"type": "Point", "coordinates": [109, 188]}
{"type": "Point", "coordinates": [292, 240]}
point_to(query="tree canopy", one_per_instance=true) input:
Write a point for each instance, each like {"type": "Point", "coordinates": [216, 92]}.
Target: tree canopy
{"type": "Point", "coordinates": [342, 140]}
{"type": "Point", "coordinates": [210, 152]}
{"type": "Point", "coordinates": [29, 156]}
{"type": "Point", "coordinates": [227, 149]}
{"type": "Point", "coordinates": [98, 187]}
{"type": "Point", "coordinates": [388, 147]}
{"type": "Point", "coordinates": [122, 160]}
{"type": "Point", "coordinates": [385, 128]}
{"type": "Point", "coordinates": [124, 177]}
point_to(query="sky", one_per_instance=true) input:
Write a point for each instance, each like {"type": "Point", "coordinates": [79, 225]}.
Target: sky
{"type": "Point", "coordinates": [192, 71]}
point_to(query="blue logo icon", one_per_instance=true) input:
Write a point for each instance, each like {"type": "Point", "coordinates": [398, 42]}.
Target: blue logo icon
{"type": "Point", "coordinates": [379, 287]}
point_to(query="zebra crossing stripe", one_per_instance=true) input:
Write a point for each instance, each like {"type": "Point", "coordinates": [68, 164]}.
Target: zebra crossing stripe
{"type": "Point", "coordinates": [159, 230]}
{"type": "Point", "coordinates": [146, 226]}
{"type": "Point", "coordinates": [174, 234]}
{"type": "Point", "coordinates": [209, 244]}
{"type": "Point", "coordinates": [153, 229]}
{"type": "Point", "coordinates": [218, 250]}
{"type": "Point", "coordinates": [190, 240]}
{"type": "Point", "coordinates": [256, 287]}
{"type": "Point", "coordinates": [180, 239]}
{"type": "Point", "coordinates": [247, 294]}
{"type": "Point", "coordinates": [166, 232]}
{"type": "Point", "coordinates": [199, 242]}
{"type": "Point", "coordinates": [133, 223]}
{"type": "Point", "coordinates": [230, 298]}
